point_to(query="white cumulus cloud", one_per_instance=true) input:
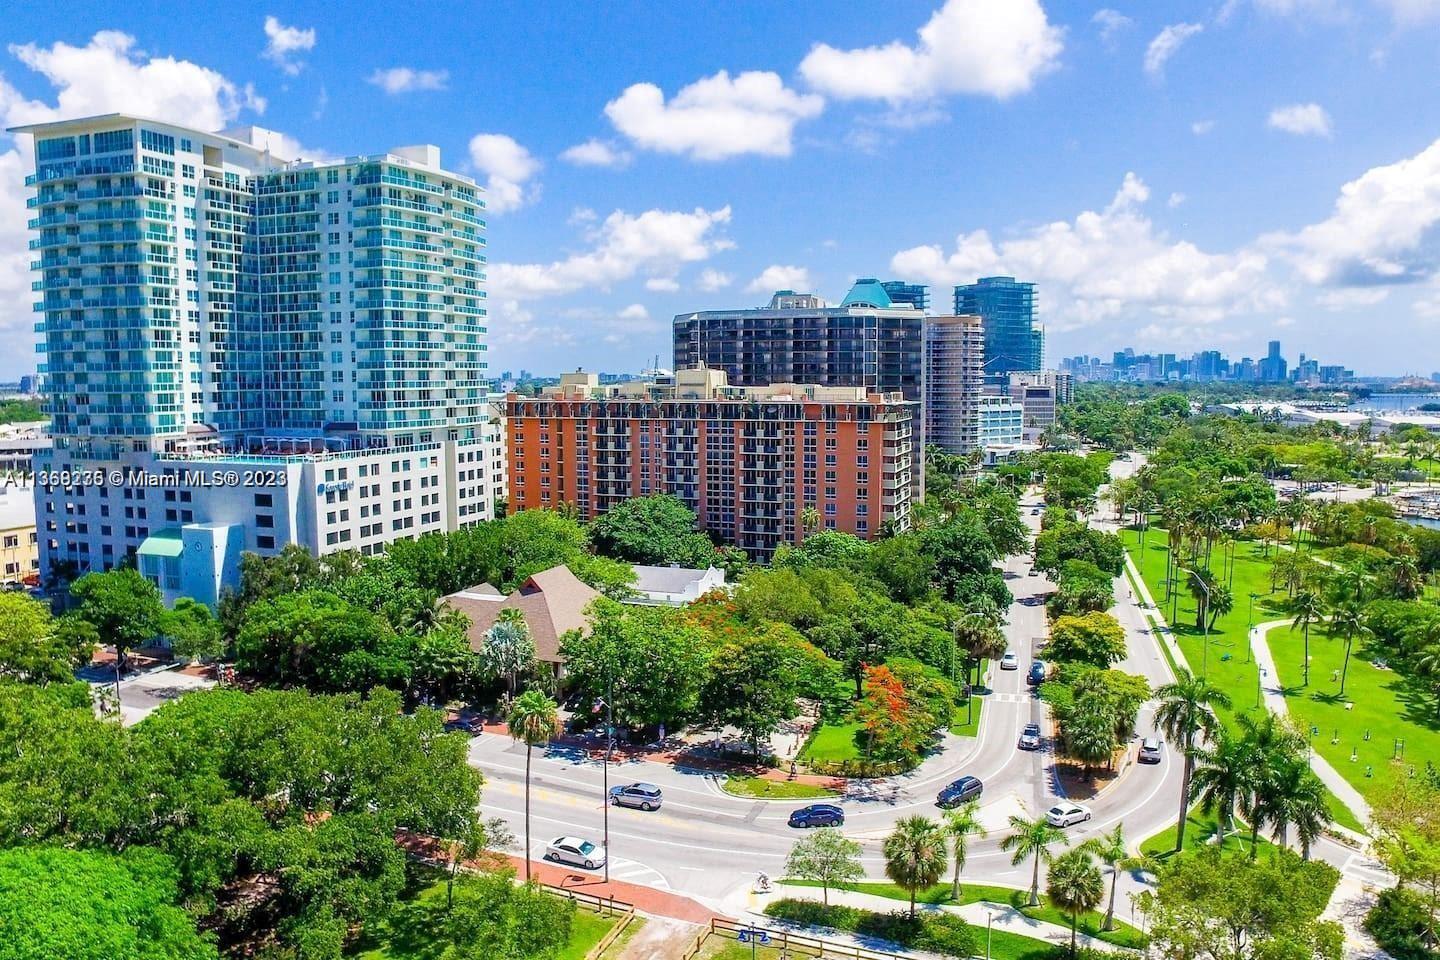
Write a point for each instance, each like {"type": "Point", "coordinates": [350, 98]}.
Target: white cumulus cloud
{"type": "Point", "coordinates": [996, 48]}
{"type": "Point", "coordinates": [596, 153]}
{"type": "Point", "coordinates": [409, 79]}
{"type": "Point", "coordinates": [1301, 119]}
{"type": "Point", "coordinates": [653, 243]}
{"type": "Point", "coordinates": [711, 280]}
{"type": "Point", "coordinates": [714, 118]}
{"type": "Point", "coordinates": [1165, 45]}
{"type": "Point", "coordinates": [1105, 264]}
{"type": "Point", "coordinates": [1382, 230]}
{"type": "Point", "coordinates": [662, 284]}
{"type": "Point", "coordinates": [508, 166]}
{"type": "Point", "coordinates": [780, 277]}
{"type": "Point", "coordinates": [284, 43]}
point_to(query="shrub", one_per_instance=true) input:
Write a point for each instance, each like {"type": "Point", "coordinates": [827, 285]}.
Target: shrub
{"type": "Point", "coordinates": [941, 933]}
{"type": "Point", "coordinates": [1398, 922]}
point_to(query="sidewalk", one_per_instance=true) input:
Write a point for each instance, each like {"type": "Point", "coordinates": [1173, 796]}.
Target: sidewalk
{"type": "Point", "coordinates": [1275, 699]}
{"type": "Point", "coordinates": [1001, 916]}
{"type": "Point", "coordinates": [647, 900]}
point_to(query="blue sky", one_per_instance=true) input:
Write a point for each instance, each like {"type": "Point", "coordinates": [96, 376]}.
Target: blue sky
{"type": "Point", "coordinates": [1173, 175]}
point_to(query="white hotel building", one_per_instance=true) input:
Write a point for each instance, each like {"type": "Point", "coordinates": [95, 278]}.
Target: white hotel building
{"type": "Point", "coordinates": [269, 351]}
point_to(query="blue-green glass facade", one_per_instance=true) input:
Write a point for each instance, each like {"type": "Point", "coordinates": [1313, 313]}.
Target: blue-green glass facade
{"type": "Point", "coordinates": [1013, 341]}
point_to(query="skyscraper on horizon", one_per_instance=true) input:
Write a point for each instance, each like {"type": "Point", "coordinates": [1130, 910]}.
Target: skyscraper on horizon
{"type": "Point", "coordinates": [1013, 342]}
{"type": "Point", "coordinates": [316, 329]}
{"type": "Point", "coordinates": [954, 379]}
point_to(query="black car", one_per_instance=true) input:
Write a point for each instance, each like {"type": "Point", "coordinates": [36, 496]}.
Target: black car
{"type": "Point", "coordinates": [1036, 676]}
{"type": "Point", "coordinates": [818, 815]}
{"type": "Point", "coordinates": [966, 788]}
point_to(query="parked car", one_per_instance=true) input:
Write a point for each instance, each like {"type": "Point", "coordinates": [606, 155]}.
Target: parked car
{"type": "Point", "coordinates": [646, 796]}
{"type": "Point", "coordinates": [1064, 813]}
{"type": "Point", "coordinates": [576, 852]}
{"type": "Point", "coordinates": [1009, 661]}
{"type": "Point", "coordinates": [966, 788]}
{"type": "Point", "coordinates": [1030, 737]}
{"type": "Point", "coordinates": [818, 815]}
{"type": "Point", "coordinates": [1035, 512]}
{"type": "Point", "coordinates": [1150, 750]}
{"type": "Point", "coordinates": [1036, 676]}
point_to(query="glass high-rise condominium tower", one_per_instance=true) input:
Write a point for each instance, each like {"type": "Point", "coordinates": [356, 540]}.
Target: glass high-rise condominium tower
{"type": "Point", "coordinates": [206, 303]}
{"type": "Point", "coordinates": [1013, 342]}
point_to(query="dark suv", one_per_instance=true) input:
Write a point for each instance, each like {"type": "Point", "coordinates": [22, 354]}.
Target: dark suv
{"type": "Point", "coordinates": [966, 788]}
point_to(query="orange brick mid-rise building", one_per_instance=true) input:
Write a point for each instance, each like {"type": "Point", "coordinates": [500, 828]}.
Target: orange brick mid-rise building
{"type": "Point", "coordinates": [747, 460]}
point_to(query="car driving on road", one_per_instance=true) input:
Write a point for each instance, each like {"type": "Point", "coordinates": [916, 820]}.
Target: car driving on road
{"type": "Point", "coordinates": [646, 796]}
{"type": "Point", "coordinates": [966, 788]}
{"type": "Point", "coordinates": [1036, 676]}
{"type": "Point", "coordinates": [1064, 813]}
{"type": "Point", "coordinates": [576, 852]}
{"type": "Point", "coordinates": [818, 815]}
{"type": "Point", "coordinates": [1030, 737]}
{"type": "Point", "coordinates": [1150, 750]}
{"type": "Point", "coordinates": [1009, 661]}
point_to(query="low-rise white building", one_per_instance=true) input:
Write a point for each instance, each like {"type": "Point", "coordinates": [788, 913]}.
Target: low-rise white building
{"type": "Point", "coordinates": [674, 586]}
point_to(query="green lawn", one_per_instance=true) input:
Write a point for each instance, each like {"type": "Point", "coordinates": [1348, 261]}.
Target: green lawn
{"type": "Point", "coordinates": [414, 930]}
{"type": "Point", "coordinates": [833, 742]}
{"type": "Point", "coordinates": [1199, 831]}
{"type": "Point", "coordinates": [1224, 654]}
{"type": "Point", "coordinates": [1382, 703]}
{"type": "Point", "coordinates": [1123, 935]}
{"type": "Point", "coordinates": [763, 789]}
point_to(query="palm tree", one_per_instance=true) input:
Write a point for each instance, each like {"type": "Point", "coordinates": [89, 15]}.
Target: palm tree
{"type": "Point", "coordinates": [508, 649]}
{"type": "Point", "coordinates": [915, 855]}
{"type": "Point", "coordinates": [1187, 707]}
{"type": "Point", "coordinates": [809, 520]}
{"type": "Point", "coordinates": [1309, 608]}
{"type": "Point", "coordinates": [1293, 796]}
{"type": "Point", "coordinates": [959, 824]}
{"type": "Point", "coordinates": [1220, 602]}
{"type": "Point", "coordinates": [1030, 838]}
{"type": "Point", "coordinates": [1075, 885]}
{"type": "Point", "coordinates": [1109, 849]}
{"type": "Point", "coordinates": [1348, 617]}
{"type": "Point", "coordinates": [533, 722]}
{"type": "Point", "coordinates": [1224, 777]}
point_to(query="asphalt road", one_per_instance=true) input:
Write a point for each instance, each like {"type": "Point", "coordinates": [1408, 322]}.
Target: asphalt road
{"type": "Point", "coordinates": [709, 845]}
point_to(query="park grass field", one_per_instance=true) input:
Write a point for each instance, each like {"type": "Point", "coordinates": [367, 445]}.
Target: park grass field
{"type": "Point", "coordinates": [1222, 654]}
{"type": "Point", "coordinates": [1400, 720]}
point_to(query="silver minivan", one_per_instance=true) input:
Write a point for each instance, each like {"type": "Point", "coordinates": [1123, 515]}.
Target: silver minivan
{"type": "Point", "coordinates": [646, 796]}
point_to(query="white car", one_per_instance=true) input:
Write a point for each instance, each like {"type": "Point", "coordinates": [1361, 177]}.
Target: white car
{"type": "Point", "coordinates": [1009, 661]}
{"type": "Point", "coordinates": [1064, 813]}
{"type": "Point", "coordinates": [576, 852]}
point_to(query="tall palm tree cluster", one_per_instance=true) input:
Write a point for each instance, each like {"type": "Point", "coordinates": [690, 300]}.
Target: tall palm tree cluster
{"type": "Point", "coordinates": [919, 849]}
{"type": "Point", "coordinates": [1260, 769]}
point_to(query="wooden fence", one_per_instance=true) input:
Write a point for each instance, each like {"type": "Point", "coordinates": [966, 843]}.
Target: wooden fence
{"type": "Point", "coordinates": [603, 906]}
{"type": "Point", "coordinates": [789, 944]}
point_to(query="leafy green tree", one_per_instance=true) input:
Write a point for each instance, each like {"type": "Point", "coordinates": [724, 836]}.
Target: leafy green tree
{"type": "Point", "coordinates": [1095, 638]}
{"type": "Point", "coordinates": [915, 855]}
{"type": "Point", "coordinates": [1087, 732]}
{"type": "Point", "coordinates": [826, 857]}
{"type": "Point", "coordinates": [646, 662]}
{"type": "Point", "coordinates": [958, 825]}
{"type": "Point", "coordinates": [495, 917]}
{"type": "Point", "coordinates": [37, 648]}
{"type": "Point", "coordinates": [533, 722]}
{"type": "Point", "coordinates": [1030, 839]}
{"type": "Point", "coordinates": [1082, 588]}
{"type": "Point", "coordinates": [317, 640]}
{"type": "Point", "coordinates": [1229, 907]}
{"type": "Point", "coordinates": [94, 905]}
{"type": "Point", "coordinates": [193, 630]}
{"type": "Point", "coordinates": [1187, 709]}
{"type": "Point", "coordinates": [1075, 886]}
{"type": "Point", "coordinates": [1225, 776]}
{"type": "Point", "coordinates": [536, 540]}
{"type": "Point", "coordinates": [123, 606]}
{"type": "Point", "coordinates": [754, 683]}
{"type": "Point", "coordinates": [903, 567]}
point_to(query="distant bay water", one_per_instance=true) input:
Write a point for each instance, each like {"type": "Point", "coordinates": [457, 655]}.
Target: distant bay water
{"type": "Point", "coordinates": [1390, 402]}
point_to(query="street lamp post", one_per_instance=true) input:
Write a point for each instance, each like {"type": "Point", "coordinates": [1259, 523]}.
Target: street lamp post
{"type": "Point", "coordinates": [989, 919]}
{"type": "Point", "coordinates": [1250, 646]}
{"type": "Point", "coordinates": [605, 767]}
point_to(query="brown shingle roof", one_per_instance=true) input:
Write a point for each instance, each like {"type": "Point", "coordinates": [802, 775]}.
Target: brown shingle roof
{"type": "Point", "coordinates": [551, 601]}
